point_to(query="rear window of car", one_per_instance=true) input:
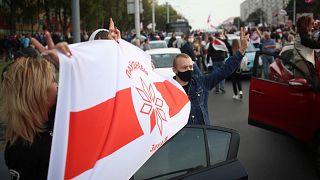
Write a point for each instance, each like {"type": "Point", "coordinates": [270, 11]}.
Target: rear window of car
{"type": "Point", "coordinates": [163, 60]}
{"type": "Point", "coordinates": [218, 143]}
{"type": "Point", "coordinates": [158, 45]}
{"type": "Point", "coordinates": [183, 154]}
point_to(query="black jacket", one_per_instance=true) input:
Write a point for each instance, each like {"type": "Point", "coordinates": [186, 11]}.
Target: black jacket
{"type": "Point", "coordinates": [26, 161]}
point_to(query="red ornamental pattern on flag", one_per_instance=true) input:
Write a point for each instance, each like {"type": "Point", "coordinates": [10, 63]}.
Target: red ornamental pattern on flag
{"type": "Point", "coordinates": [112, 108]}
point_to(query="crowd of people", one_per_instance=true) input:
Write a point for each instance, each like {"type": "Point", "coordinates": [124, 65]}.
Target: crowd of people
{"type": "Point", "coordinates": [206, 60]}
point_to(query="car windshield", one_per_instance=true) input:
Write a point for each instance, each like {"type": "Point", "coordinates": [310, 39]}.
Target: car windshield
{"type": "Point", "coordinates": [163, 60]}
{"type": "Point", "coordinates": [250, 47]}
{"type": "Point", "coordinates": [158, 45]}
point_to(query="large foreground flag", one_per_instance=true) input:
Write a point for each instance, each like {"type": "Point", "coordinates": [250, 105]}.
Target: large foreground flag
{"type": "Point", "coordinates": [113, 112]}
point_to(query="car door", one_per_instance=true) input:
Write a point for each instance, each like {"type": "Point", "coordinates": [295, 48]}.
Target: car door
{"type": "Point", "coordinates": [278, 103]}
{"type": "Point", "coordinates": [196, 152]}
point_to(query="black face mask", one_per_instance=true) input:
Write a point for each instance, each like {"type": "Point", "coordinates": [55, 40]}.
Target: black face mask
{"type": "Point", "coordinates": [185, 76]}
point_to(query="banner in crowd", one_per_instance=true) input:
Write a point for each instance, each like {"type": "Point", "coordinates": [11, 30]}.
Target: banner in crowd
{"type": "Point", "coordinates": [113, 112]}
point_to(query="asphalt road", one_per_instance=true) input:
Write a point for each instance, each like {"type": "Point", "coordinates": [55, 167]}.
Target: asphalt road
{"type": "Point", "coordinates": [265, 155]}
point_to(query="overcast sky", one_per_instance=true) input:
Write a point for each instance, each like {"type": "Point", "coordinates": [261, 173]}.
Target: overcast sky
{"type": "Point", "coordinates": [197, 11]}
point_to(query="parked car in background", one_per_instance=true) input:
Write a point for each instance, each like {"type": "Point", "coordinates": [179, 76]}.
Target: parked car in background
{"type": "Point", "coordinates": [196, 152]}
{"type": "Point", "coordinates": [163, 60]}
{"type": "Point", "coordinates": [158, 44]}
{"type": "Point", "coordinates": [250, 54]}
{"type": "Point", "coordinates": [282, 103]}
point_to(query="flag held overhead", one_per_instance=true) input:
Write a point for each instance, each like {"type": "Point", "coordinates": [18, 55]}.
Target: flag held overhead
{"type": "Point", "coordinates": [113, 112]}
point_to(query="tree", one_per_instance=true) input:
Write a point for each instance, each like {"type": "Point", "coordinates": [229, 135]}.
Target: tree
{"type": "Point", "coordinates": [258, 16]}
{"type": "Point", "coordinates": [238, 22]}
{"type": "Point", "coordinates": [12, 8]}
{"type": "Point", "coordinates": [93, 14]}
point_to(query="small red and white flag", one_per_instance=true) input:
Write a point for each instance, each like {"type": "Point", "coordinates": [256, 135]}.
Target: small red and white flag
{"type": "Point", "coordinates": [113, 112]}
{"type": "Point", "coordinates": [210, 22]}
{"type": "Point", "coordinates": [209, 18]}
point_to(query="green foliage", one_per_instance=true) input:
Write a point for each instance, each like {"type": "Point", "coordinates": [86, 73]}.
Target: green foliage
{"type": "Point", "coordinates": [257, 16]}
{"type": "Point", "coordinates": [238, 22]}
{"type": "Point", "coordinates": [93, 14]}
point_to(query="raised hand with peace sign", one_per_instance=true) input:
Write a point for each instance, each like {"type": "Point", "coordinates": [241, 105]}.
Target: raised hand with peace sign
{"type": "Point", "coordinates": [50, 52]}
{"type": "Point", "coordinates": [244, 40]}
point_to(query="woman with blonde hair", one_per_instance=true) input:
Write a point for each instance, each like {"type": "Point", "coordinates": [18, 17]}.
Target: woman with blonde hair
{"type": "Point", "coordinates": [29, 92]}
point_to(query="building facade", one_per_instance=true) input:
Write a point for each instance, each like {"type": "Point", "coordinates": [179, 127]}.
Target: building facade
{"type": "Point", "coordinates": [271, 8]}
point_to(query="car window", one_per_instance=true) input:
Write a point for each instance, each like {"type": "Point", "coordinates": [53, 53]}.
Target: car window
{"type": "Point", "coordinates": [288, 56]}
{"type": "Point", "coordinates": [218, 144]}
{"type": "Point", "coordinates": [276, 69]}
{"type": "Point", "coordinates": [184, 153]}
{"type": "Point", "coordinates": [158, 45]}
{"type": "Point", "coordinates": [250, 47]}
{"type": "Point", "coordinates": [163, 60]}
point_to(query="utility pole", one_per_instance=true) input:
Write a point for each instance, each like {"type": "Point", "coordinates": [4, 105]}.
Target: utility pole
{"type": "Point", "coordinates": [75, 21]}
{"type": "Point", "coordinates": [137, 18]}
{"type": "Point", "coordinates": [294, 12]}
{"type": "Point", "coordinates": [168, 12]}
{"type": "Point", "coordinates": [153, 18]}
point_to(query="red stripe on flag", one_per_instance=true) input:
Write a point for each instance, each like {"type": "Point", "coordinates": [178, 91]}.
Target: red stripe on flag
{"type": "Point", "coordinates": [99, 131]}
{"type": "Point", "coordinates": [174, 97]}
{"type": "Point", "coordinates": [217, 42]}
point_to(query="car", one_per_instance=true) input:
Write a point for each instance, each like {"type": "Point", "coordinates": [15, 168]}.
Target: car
{"type": "Point", "coordinates": [195, 152]}
{"type": "Point", "coordinates": [163, 60]}
{"type": "Point", "coordinates": [250, 54]}
{"type": "Point", "coordinates": [158, 44]}
{"type": "Point", "coordinates": [282, 103]}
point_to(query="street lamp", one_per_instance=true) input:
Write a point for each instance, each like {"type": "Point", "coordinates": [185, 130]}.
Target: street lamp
{"type": "Point", "coordinates": [75, 8]}
{"type": "Point", "coordinates": [168, 12]}
{"type": "Point", "coordinates": [153, 18]}
{"type": "Point", "coordinates": [137, 18]}
{"type": "Point", "coordinates": [294, 12]}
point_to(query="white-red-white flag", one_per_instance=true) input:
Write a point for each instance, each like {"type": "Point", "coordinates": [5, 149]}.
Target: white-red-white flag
{"type": "Point", "coordinates": [113, 112]}
{"type": "Point", "coordinates": [219, 45]}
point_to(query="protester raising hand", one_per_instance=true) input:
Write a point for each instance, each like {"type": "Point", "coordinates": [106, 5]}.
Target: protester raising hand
{"type": "Point", "coordinates": [244, 39]}
{"type": "Point", "coordinates": [50, 52]}
{"type": "Point", "coordinates": [114, 33]}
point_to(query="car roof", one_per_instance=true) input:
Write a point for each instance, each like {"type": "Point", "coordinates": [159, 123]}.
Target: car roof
{"type": "Point", "coordinates": [169, 37]}
{"type": "Point", "coordinates": [233, 36]}
{"type": "Point", "coordinates": [158, 41]}
{"type": "Point", "coordinates": [164, 51]}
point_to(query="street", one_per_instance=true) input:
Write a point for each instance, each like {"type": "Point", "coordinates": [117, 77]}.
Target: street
{"type": "Point", "coordinates": [264, 154]}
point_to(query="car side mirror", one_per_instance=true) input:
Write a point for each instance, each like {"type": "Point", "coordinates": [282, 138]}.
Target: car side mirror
{"type": "Point", "coordinates": [299, 84]}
